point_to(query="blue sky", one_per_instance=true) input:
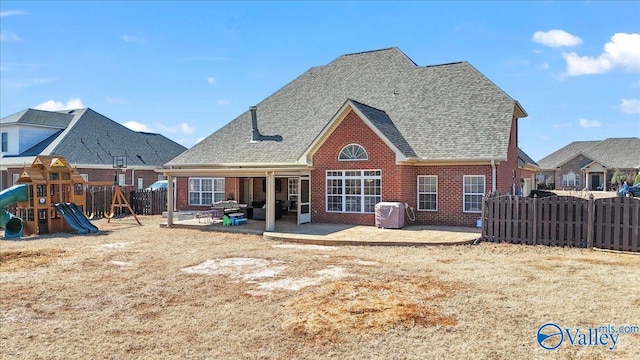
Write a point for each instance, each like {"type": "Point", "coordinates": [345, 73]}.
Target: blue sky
{"type": "Point", "coordinates": [184, 69]}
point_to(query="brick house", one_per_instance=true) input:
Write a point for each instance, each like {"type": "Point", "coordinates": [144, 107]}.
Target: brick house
{"type": "Point", "coordinates": [590, 164]}
{"type": "Point", "coordinates": [87, 140]}
{"type": "Point", "coordinates": [365, 128]}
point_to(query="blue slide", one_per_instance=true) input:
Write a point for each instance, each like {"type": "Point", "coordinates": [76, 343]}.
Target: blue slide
{"type": "Point", "coordinates": [67, 215]}
{"type": "Point", "coordinates": [82, 219]}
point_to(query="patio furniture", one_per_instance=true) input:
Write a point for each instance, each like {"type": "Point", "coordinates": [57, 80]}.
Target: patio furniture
{"type": "Point", "coordinates": [209, 216]}
{"type": "Point", "coordinates": [229, 206]}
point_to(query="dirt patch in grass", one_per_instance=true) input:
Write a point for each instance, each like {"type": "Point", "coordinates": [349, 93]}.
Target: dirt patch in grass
{"type": "Point", "coordinates": [14, 260]}
{"type": "Point", "coordinates": [336, 310]}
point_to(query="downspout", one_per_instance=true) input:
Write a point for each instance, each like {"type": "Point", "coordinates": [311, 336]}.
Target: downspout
{"type": "Point", "coordinates": [493, 175]}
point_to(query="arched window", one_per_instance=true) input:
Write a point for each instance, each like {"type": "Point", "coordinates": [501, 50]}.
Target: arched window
{"type": "Point", "coordinates": [353, 152]}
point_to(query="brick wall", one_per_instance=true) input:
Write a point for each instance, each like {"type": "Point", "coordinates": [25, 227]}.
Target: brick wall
{"type": "Point", "coordinates": [399, 182]}
{"type": "Point", "coordinates": [507, 172]}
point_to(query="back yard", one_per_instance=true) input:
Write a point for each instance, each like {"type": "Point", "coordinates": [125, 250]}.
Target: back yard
{"type": "Point", "coordinates": [147, 292]}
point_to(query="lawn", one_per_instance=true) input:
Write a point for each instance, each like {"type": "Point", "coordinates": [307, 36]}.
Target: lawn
{"type": "Point", "coordinates": [147, 292]}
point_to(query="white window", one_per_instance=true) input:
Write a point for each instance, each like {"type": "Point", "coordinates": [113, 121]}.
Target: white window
{"type": "Point", "coordinates": [205, 191]}
{"type": "Point", "coordinates": [473, 191]}
{"type": "Point", "coordinates": [570, 179]}
{"type": "Point", "coordinates": [15, 178]}
{"type": "Point", "coordinates": [85, 177]}
{"type": "Point", "coordinates": [122, 179]}
{"type": "Point", "coordinates": [428, 192]}
{"type": "Point", "coordinates": [353, 191]}
{"type": "Point", "coordinates": [353, 152]}
{"type": "Point", "coordinates": [162, 177]}
{"type": "Point", "coordinates": [292, 194]}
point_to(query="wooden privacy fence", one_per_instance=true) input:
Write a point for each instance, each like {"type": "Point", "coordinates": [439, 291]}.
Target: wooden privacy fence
{"type": "Point", "coordinates": [146, 202]}
{"type": "Point", "coordinates": [143, 202]}
{"type": "Point", "coordinates": [611, 223]}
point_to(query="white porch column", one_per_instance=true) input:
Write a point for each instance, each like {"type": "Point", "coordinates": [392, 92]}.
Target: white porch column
{"type": "Point", "coordinates": [587, 182]}
{"type": "Point", "coordinates": [169, 200]}
{"type": "Point", "coordinates": [270, 221]}
{"type": "Point", "coordinates": [604, 184]}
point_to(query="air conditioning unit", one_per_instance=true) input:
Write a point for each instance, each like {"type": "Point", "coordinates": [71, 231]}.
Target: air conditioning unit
{"type": "Point", "coordinates": [390, 215]}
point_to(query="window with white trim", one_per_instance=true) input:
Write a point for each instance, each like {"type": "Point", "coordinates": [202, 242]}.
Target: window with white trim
{"type": "Point", "coordinates": [353, 152]}
{"type": "Point", "coordinates": [205, 191]}
{"type": "Point", "coordinates": [15, 178]}
{"type": "Point", "coordinates": [570, 179]}
{"type": "Point", "coordinates": [428, 192]}
{"type": "Point", "coordinates": [353, 191]}
{"type": "Point", "coordinates": [473, 189]}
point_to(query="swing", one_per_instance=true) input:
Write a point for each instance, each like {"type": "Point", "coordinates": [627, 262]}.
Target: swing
{"type": "Point", "coordinates": [105, 214]}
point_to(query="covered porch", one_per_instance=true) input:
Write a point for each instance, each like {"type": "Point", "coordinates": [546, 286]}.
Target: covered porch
{"type": "Point", "coordinates": [274, 179]}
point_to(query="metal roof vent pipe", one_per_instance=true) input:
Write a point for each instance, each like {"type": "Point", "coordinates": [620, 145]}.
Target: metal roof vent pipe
{"type": "Point", "coordinates": [255, 133]}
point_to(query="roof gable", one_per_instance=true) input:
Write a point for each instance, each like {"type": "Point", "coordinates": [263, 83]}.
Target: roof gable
{"type": "Point", "coordinates": [448, 111]}
{"type": "Point", "coordinates": [377, 120]}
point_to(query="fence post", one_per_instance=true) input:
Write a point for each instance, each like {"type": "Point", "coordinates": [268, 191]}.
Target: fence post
{"type": "Point", "coordinates": [534, 233]}
{"type": "Point", "coordinates": [590, 222]}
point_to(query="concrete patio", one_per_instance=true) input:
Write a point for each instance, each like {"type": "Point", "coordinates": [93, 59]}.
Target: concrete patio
{"type": "Point", "coordinates": [340, 234]}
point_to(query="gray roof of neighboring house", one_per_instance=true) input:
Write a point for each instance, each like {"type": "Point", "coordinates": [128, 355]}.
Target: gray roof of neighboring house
{"type": "Point", "coordinates": [93, 139]}
{"type": "Point", "coordinates": [442, 112]}
{"type": "Point", "coordinates": [614, 153]}
{"type": "Point", "coordinates": [39, 118]}
{"type": "Point", "coordinates": [524, 159]}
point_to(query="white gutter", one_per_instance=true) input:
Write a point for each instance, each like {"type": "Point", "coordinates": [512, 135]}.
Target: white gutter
{"type": "Point", "coordinates": [493, 176]}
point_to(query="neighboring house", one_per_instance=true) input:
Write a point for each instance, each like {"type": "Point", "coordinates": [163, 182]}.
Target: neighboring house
{"type": "Point", "coordinates": [590, 164]}
{"type": "Point", "coordinates": [365, 128]}
{"type": "Point", "coordinates": [87, 140]}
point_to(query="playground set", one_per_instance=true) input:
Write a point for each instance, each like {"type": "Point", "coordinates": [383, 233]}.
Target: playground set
{"type": "Point", "coordinates": [50, 198]}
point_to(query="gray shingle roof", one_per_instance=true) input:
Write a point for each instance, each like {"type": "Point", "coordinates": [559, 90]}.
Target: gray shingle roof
{"type": "Point", "coordinates": [381, 120]}
{"type": "Point", "coordinates": [620, 153]}
{"type": "Point", "coordinates": [39, 117]}
{"type": "Point", "coordinates": [93, 139]}
{"type": "Point", "coordinates": [443, 112]}
{"type": "Point", "coordinates": [524, 159]}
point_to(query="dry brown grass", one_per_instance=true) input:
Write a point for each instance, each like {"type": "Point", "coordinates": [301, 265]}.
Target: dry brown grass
{"type": "Point", "coordinates": [136, 292]}
{"type": "Point", "coordinates": [14, 260]}
{"type": "Point", "coordinates": [336, 311]}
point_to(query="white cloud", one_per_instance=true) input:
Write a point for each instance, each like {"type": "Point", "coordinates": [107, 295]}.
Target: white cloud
{"type": "Point", "coordinates": [182, 128]}
{"type": "Point", "coordinates": [8, 36]}
{"type": "Point", "coordinates": [589, 123]}
{"type": "Point", "coordinates": [137, 126]}
{"type": "Point", "coordinates": [544, 66]}
{"type": "Point", "coordinates": [635, 84]}
{"type": "Point", "coordinates": [52, 105]}
{"type": "Point", "coordinates": [12, 13]}
{"type": "Point", "coordinates": [186, 128]}
{"type": "Point", "coordinates": [556, 38]}
{"type": "Point", "coordinates": [223, 102]}
{"type": "Point", "coordinates": [630, 106]}
{"type": "Point", "coordinates": [211, 80]}
{"type": "Point", "coordinates": [623, 51]}
{"type": "Point", "coordinates": [133, 39]}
